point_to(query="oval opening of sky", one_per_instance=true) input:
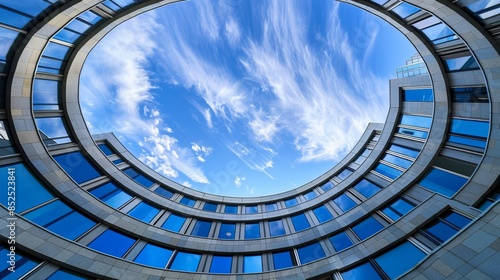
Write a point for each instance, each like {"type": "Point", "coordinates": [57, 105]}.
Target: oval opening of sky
{"type": "Point", "coordinates": [240, 97]}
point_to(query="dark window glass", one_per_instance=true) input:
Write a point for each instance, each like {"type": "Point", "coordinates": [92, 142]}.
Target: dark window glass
{"type": "Point", "coordinates": [418, 95]}
{"type": "Point", "coordinates": [282, 260]}
{"type": "Point", "coordinates": [456, 219]}
{"type": "Point", "coordinates": [227, 231]}
{"type": "Point", "coordinates": [23, 265]}
{"type": "Point", "coordinates": [112, 243]}
{"type": "Point", "coordinates": [400, 259]}
{"type": "Point", "coordinates": [340, 241]}
{"type": "Point", "coordinates": [144, 212]}
{"type": "Point", "coordinates": [446, 226]}
{"type": "Point", "coordinates": [463, 63]}
{"type": "Point", "coordinates": [32, 8]}
{"type": "Point", "coordinates": [174, 222]}
{"type": "Point", "coordinates": [322, 214]}
{"type": "Point", "coordinates": [419, 121]}
{"type": "Point", "coordinates": [111, 195]}
{"type": "Point", "coordinates": [327, 186]}
{"type": "Point", "coordinates": [367, 228]}
{"type": "Point", "coordinates": [344, 174]}
{"type": "Point", "coordinates": [310, 195]}
{"type": "Point", "coordinates": [344, 202]}
{"type": "Point", "coordinates": [470, 95]}
{"type": "Point", "coordinates": [221, 264]}
{"type": "Point", "coordinates": [310, 253]}
{"type": "Point", "coordinates": [366, 188]}
{"type": "Point", "coordinates": [291, 202]}
{"type": "Point", "coordinates": [397, 160]}
{"type": "Point", "coordinates": [136, 176]}
{"type": "Point", "coordinates": [252, 264]}
{"type": "Point", "coordinates": [387, 171]}
{"type": "Point", "coordinates": [212, 207]}
{"type": "Point", "coordinates": [300, 222]}
{"type": "Point", "coordinates": [77, 167]}
{"type": "Point", "coordinates": [251, 209]}
{"type": "Point", "coordinates": [30, 192]}
{"type": "Point", "coordinates": [46, 94]}
{"type": "Point", "coordinates": [398, 209]}
{"type": "Point", "coordinates": [201, 228]}
{"type": "Point", "coordinates": [105, 149]}
{"type": "Point", "coordinates": [442, 182]}
{"type": "Point", "coordinates": [276, 228]}
{"type": "Point", "coordinates": [231, 209]}
{"type": "Point", "coordinates": [66, 275]}
{"type": "Point", "coordinates": [404, 151]}
{"type": "Point", "coordinates": [6, 144]}
{"type": "Point", "coordinates": [361, 272]}
{"type": "Point", "coordinates": [117, 161]}
{"type": "Point", "coordinates": [53, 131]}
{"type": "Point", "coordinates": [153, 255]}
{"type": "Point", "coordinates": [187, 201]}
{"type": "Point", "coordinates": [186, 262]}
{"type": "Point", "coordinates": [252, 231]}
{"type": "Point", "coordinates": [413, 132]}
{"type": "Point", "coordinates": [164, 192]}
{"type": "Point", "coordinates": [405, 10]}
{"type": "Point", "coordinates": [271, 207]}
{"type": "Point", "coordinates": [13, 19]}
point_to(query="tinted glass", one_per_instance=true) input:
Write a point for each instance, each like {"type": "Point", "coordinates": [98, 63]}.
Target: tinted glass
{"type": "Point", "coordinates": [322, 214]}
{"type": "Point", "coordinates": [340, 241]}
{"type": "Point", "coordinates": [300, 222]}
{"type": "Point", "coordinates": [45, 94]}
{"type": "Point", "coordinates": [164, 192]}
{"type": "Point", "coordinates": [470, 95]}
{"type": "Point", "coordinates": [111, 195]}
{"type": "Point", "coordinates": [174, 223]}
{"type": "Point", "coordinates": [404, 151]}
{"type": "Point", "coordinates": [457, 220]}
{"type": "Point", "coordinates": [90, 17]}
{"type": "Point", "coordinates": [419, 121]}
{"type": "Point", "coordinates": [187, 201]}
{"type": "Point", "coordinates": [77, 167]}
{"type": "Point", "coordinates": [66, 275]}
{"type": "Point", "coordinates": [276, 228]}
{"type": "Point", "coordinates": [439, 33]}
{"type": "Point", "coordinates": [344, 174]}
{"type": "Point", "coordinates": [327, 186]}
{"type": "Point", "coordinates": [144, 212]}
{"type": "Point", "coordinates": [361, 272]}
{"type": "Point", "coordinates": [400, 259]}
{"type": "Point", "coordinates": [271, 207]}
{"type": "Point", "coordinates": [366, 188]}
{"type": "Point", "coordinates": [344, 202]}
{"type": "Point", "coordinates": [418, 95]}
{"type": "Point", "coordinates": [470, 128]}
{"type": "Point", "coordinates": [251, 209]}
{"type": "Point", "coordinates": [112, 243]}
{"type": "Point", "coordinates": [413, 132]}
{"type": "Point", "coordinates": [397, 209]}
{"type": "Point", "coordinates": [367, 228]}
{"type": "Point", "coordinates": [282, 260]}
{"type": "Point", "coordinates": [310, 253]}
{"type": "Point", "coordinates": [186, 262]}
{"type": "Point", "coordinates": [405, 10]}
{"type": "Point", "coordinates": [55, 50]}
{"type": "Point", "coordinates": [105, 149]}
{"type": "Point", "coordinates": [227, 231]}
{"type": "Point", "coordinates": [231, 209]}
{"type": "Point", "coordinates": [252, 264]}
{"type": "Point", "coordinates": [201, 228]}
{"type": "Point", "coordinates": [442, 182]}
{"type": "Point", "coordinates": [291, 202]}
{"type": "Point", "coordinates": [221, 264]}
{"type": "Point", "coordinates": [53, 131]}
{"type": "Point", "coordinates": [153, 255]}
{"type": "Point", "coordinates": [252, 231]}
{"type": "Point", "coordinates": [32, 8]}
{"type": "Point", "coordinates": [13, 19]}
{"type": "Point", "coordinates": [441, 231]}
{"type": "Point", "coordinates": [23, 265]}
{"type": "Point", "coordinates": [7, 38]}
{"type": "Point", "coordinates": [310, 195]}
{"type": "Point", "coordinates": [397, 160]}
{"type": "Point", "coordinates": [387, 171]}
{"type": "Point", "coordinates": [461, 63]}
{"type": "Point", "coordinates": [212, 207]}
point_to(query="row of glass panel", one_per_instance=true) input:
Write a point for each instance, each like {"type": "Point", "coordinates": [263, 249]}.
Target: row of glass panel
{"type": "Point", "coordinates": [458, 95]}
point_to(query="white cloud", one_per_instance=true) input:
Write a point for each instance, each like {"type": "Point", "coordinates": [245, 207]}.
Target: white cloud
{"type": "Point", "coordinates": [232, 31]}
{"type": "Point", "coordinates": [238, 181]}
{"type": "Point", "coordinates": [186, 184]}
{"type": "Point", "coordinates": [200, 158]}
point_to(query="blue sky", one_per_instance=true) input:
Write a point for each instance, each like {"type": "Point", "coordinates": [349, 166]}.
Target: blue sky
{"type": "Point", "coordinates": [242, 98]}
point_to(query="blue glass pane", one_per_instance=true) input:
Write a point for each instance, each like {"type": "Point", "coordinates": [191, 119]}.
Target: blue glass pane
{"type": "Point", "coordinates": [291, 202]}
{"type": "Point", "coordinates": [7, 38]}
{"type": "Point", "coordinates": [405, 10]}
{"type": "Point", "coordinates": [252, 264]}
{"type": "Point", "coordinates": [418, 95]}
{"type": "Point", "coordinates": [55, 50]}
{"type": "Point", "coordinates": [231, 209]}
{"type": "Point", "coordinates": [29, 193]}
{"type": "Point", "coordinates": [310, 253]}
{"type": "Point", "coordinates": [78, 26]}
{"type": "Point", "coordinates": [442, 182]}
{"type": "Point", "coordinates": [52, 63]}
{"type": "Point", "coordinates": [111, 195]}
{"type": "Point", "coordinates": [174, 223]}
{"type": "Point", "coordinates": [387, 171]}
{"type": "Point", "coordinates": [252, 209]}
{"type": "Point", "coordinates": [413, 132]}
{"type": "Point", "coordinates": [340, 241]}
{"type": "Point", "coordinates": [123, 3]}
{"type": "Point", "coordinates": [32, 8]}
{"type": "Point", "coordinates": [53, 130]}
{"type": "Point", "coordinates": [22, 264]}
{"type": "Point", "coordinates": [143, 181]}
{"type": "Point", "coordinates": [45, 92]}
{"type": "Point", "coordinates": [419, 121]}
{"type": "Point", "coordinates": [366, 188]}
{"type": "Point", "coordinates": [144, 212]}
{"type": "Point", "coordinates": [104, 190]}
{"type": "Point", "coordinates": [117, 161]}
{"type": "Point", "coordinates": [439, 33]}
{"type": "Point", "coordinates": [66, 275]}
{"type": "Point", "coordinates": [367, 228]}
{"type": "Point", "coordinates": [132, 173]}
{"type": "Point", "coordinates": [201, 228]}
{"type": "Point", "coordinates": [404, 151]}
{"type": "Point", "coordinates": [441, 231]}
{"type": "Point", "coordinates": [470, 128]}
{"type": "Point", "coordinates": [187, 201]}
{"type": "Point", "coordinates": [153, 255]}
{"type": "Point", "coordinates": [111, 5]}
{"type": "Point", "coordinates": [397, 209]}
{"type": "Point", "coordinates": [470, 95]}
{"type": "Point", "coordinates": [164, 192]}
{"type": "Point", "coordinates": [252, 231]}
{"type": "Point", "coordinates": [90, 17]}
{"type": "Point", "coordinates": [77, 167]}
{"type": "Point", "coordinates": [105, 149]}
{"type": "Point", "coordinates": [112, 243]}
{"type": "Point", "coordinates": [344, 174]}
{"type": "Point", "coordinates": [400, 259]}
{"type": "Point", "coordinates": [271, 207]}
{"type": "Point", "coordinates": [13, 19]}
{"type": "Point", "coordinates": [310, 195]}
{"type": "Point", "coordinates": [361, 272]}
{"type": "Point", "coordinates": [227, 231]}
{"type": "Point", "coordinates": [186, 262]}
{"type": "Point", "coordinates": [322, 214]}
{"type": "Point", "coordinates": [327, 186]}
{"type": "Point", "coordinates": [221, 264]}
{"type": "Point", "coordinates": [457, 220]}
{"type": "Point", "coordinates": [478, 143]}
{"type": "Point", "coordinates": [212, 207]}
{"type": "Point", "coordinates": [461, 63]}
{"type": "Point", "coordinates": [67, 36]}
{"type": "Point", "coordinates": [300, 222]}
{"type": "Point", "coordinates": [282, 260]}
{"type": "Point", "coordinates": [276, 228]}
{"type": "Point", "coordinates": [397, 160]}
{"type": "Point", "coordinates": [344, 202]}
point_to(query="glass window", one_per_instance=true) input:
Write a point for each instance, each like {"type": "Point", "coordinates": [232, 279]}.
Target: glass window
{"type": "Point", "coordinates": [310, 195]}
{"type": "Point", "coordinates": [186, 262]}
{"type": "Point", "coordinates": [164, 192]}
{"type": "Point", "coordinates": [111, 5]}
{"type": "Point", "coordinates": [310, 253]}
{"type": "Point", "coordinates": [276, 228]}
{"type": "Point", "coordinates": [231, 209]}
{"type": "Point", "coordinates": [442, 182]}
{"type": "Point", "coordinates": [252, 231]}
{"type": "Point", "coordinates": [77, 167]}
{"type": "Point", "coordinates": [340, 241]}
{"type": "Point", "coordinates": [211, 207]}
{"type": "Point", "coordinates": [251, 209]}
{"type": "Point", "coordinates": [31, 8]}
{"type": "Point", "coordinates": [117, 161]}
{"type": "Point", "coordinates": [413, 132]}
{"type": "Point", "coordinates": [397, 160]}
{"type": "Point", "coordinates": [153, 255]}
{"type": "Point", "coordinates": [187, 201]}
{"type": "Point", "coordinates": [227, 231]}
{"type": "Point", "coordinates": [23, 265]}
{"type": "Point", "coordinates": [400, 259]}
{"type": "Point", "coordinates": [30, 192]}
{"type": "Point", "coordinates": [405, 10]}
{"type": "Point", "coordinates": [7, 37]}
{"type": "Point", "coordinates": [291, 202]}
{"type": "Point", "coordinates": [461, 63]}
{"type": "Point", "coordinates": [418, 95]}
{"type": "Point", "coordinates": [136, 176]}
{"type": "Point", "coordinates": [45, 94]}
{"type": "Point", "coordinates": [344, 174]}
{"type": "Point", "coordinates": [446, 226]}
{"type": "Point", "coordinates": [344, 202]}
{"type": "Point", "coordinates": [90, 17]}
{"type": "Point", "coordinates": [439, 33]}
{"type": "Point", "coordinates": [6, 144]}
{"type": "Point", "coordinates": [14, 19]}
{"type": "Point", "coordinates": [78, 26]}
{"type": "Point", "coordinates": [174, 223]}
{"type": "Point", "coordinates": [404, 150]}
{"type": "Point", "coordinates": [327, 186]}
{"type": "Point", "coordinates": [470, 127]}
{"type": "Point", "coordinates": [387, 171]}
{"type": "Point", "coordinates": [65, 275]}
{"type": "Point", "coordinates": [282, 260]}
{"type": "Point", "coordinates": [252, 264]}
{"type": "Point", "coordinates": [112, 243]}
{"type": "Point", "coordinates": [201, 228]}
{"type": "Point", "coordinates": [300, 222]}
{"type": "Point", "coordinates": [380, 2]}
{"type": "Point", "coordinates": [398, 209]}
{"type": "Point", "coordinates": [271, 207]}
{"type": "Point", "coordinates": [52, 130]}
{"type": "Point", "coordinates": [367, 228]}
{"type": "Point", "coordinates": [361, 272]}
{"type": "Point", "coordinates": [111, 195]}
{"type": "Point", "coordinates": [366, 188]}
{"type": "Point", "coordinates": [322, 214]}
{"type": "Point", "coordinates": [470, 95]}
{"type": "Point", "coordinates": [105, 149]}
{"type": "Point", "coordinates": [485, 8]}
{"type": "Point", "coordinates": [221, 264]}
{"type": "Point", "coordinates": [419, 121]}
{"type": "Point", "coordinates": [144, 212]}
{"type": "Point", "coordinates": [55, 50]}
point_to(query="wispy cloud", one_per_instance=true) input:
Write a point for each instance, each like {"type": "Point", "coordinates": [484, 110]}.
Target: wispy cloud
{"type": "Point", "coordinates": [232, 31]}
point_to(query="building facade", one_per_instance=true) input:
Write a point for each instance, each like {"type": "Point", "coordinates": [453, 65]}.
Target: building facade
{"type": "Point", "coordinates": [417, 197]}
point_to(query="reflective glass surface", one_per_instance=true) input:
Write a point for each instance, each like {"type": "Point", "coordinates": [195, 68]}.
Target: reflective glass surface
{"type": "Point", "coordinates": [418, 95]}
{"type": "Point", "coordinates": [13, 19]}
{"type": "Point", "coordinates": [400, 259]}
{"type": "Point", "coordinates": [23, 264]}
{"type": "Point", "coordinates": [367, 228]}
{"type": "Point", "coordinates": [251, 209]}
{"type": "Point", "coordinates": [344, 202]}
{"type": "Point", "coordinates": [470, 95]}
{"type": "Point", "coordinates": [361, 272]}
{"type": "Point", "coordinates": [461, 63]}
{"type": "Point", "coordinates": [201, 228]}
{"type": "Point", "coordinates": [474, 128]}
{"type": "Point", "coordinates": [340, 241]}
{"type": "Point", "coordinates": [327, 186]}
{"type": "Point", "coordinates": [77, 167]}
{"type": "Point", "coordinates": [419, 121]}
{"type": "Point", "coordinates": [105, 149]}
{"type": "Point", "coordinates": [439, 33]}
{"type": "Point", "coordinates": [231, 209]}
{"type": "Point", "coordinates": [164, 192]}
{"type": "Point", "coordinates": [271, 207]}
{"type": "Point", "coordinates": [310, 253]}
{"type": "Point", "coordinates": [112, 243]}
{"type": "Point", "coordinates": [276, 228]}
{"type": "Point", "coordinates": [221, 264]}
{"type": "Point", "coordinates": [31, 8]}
{"type": "Point", "coordinates": [291, 202]}
{"type": "Point", "coordinates": [136, 176]}
{"type": "Point", "coordinates": [174, 222]}
{"type": "Point", "coordinates": [282, 260]}
{"type": "Point", "coordinates": [366, 188]}
{"type": "Point", "coordinates": [310, 195]}
{"type": "Point", "coordinates": [442, 182]}
{"type": "Point", "coordinates": [55, 50]}
{"type": "Point", "coordinates": [153, 255]}
{"type": "Point", "coordinates": [186, 262]}
{"type": "Point", "coordinates": [111, 195]}
{"type": "Point", "coordinates": [397, 209]}
{"type": "Point", "coordinates": [404, 150]}
{"type": "Point", "coordinates": [397, 160]}
{"type": "Point", "coordinates": [413, 132]}
{"type": "Point", "coordinates": [252, 264]}
{"type": "Point", "coordinates": [187, 201]}
{"type": "Point", "coordinates": [45, 94]}
{"type": "Point", "coordinates": [66, 275]}
{"type": "Point", "coordinates": [344, 174]}
{"type": "Point", "coordinates": [7, 38]}
{"type": "Point", "coordinates": [405, 10]}
{"type": "Point", "coordinates": [227, 231]}
{"type": "Point", "coordinates": [322, 214]}
{"type": "Point", "coordinates": [211, 207]}
{"type": "Point", "coordinates": [252, 231]}
{"type": "Point", "coordinates": [144, 212]}
{"type": "Point", "coordinates": [387, 171]}
{"type": "Point", "coordinates": [52, 130]}
{"type": "Point", "coordinates": [300, 222]}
